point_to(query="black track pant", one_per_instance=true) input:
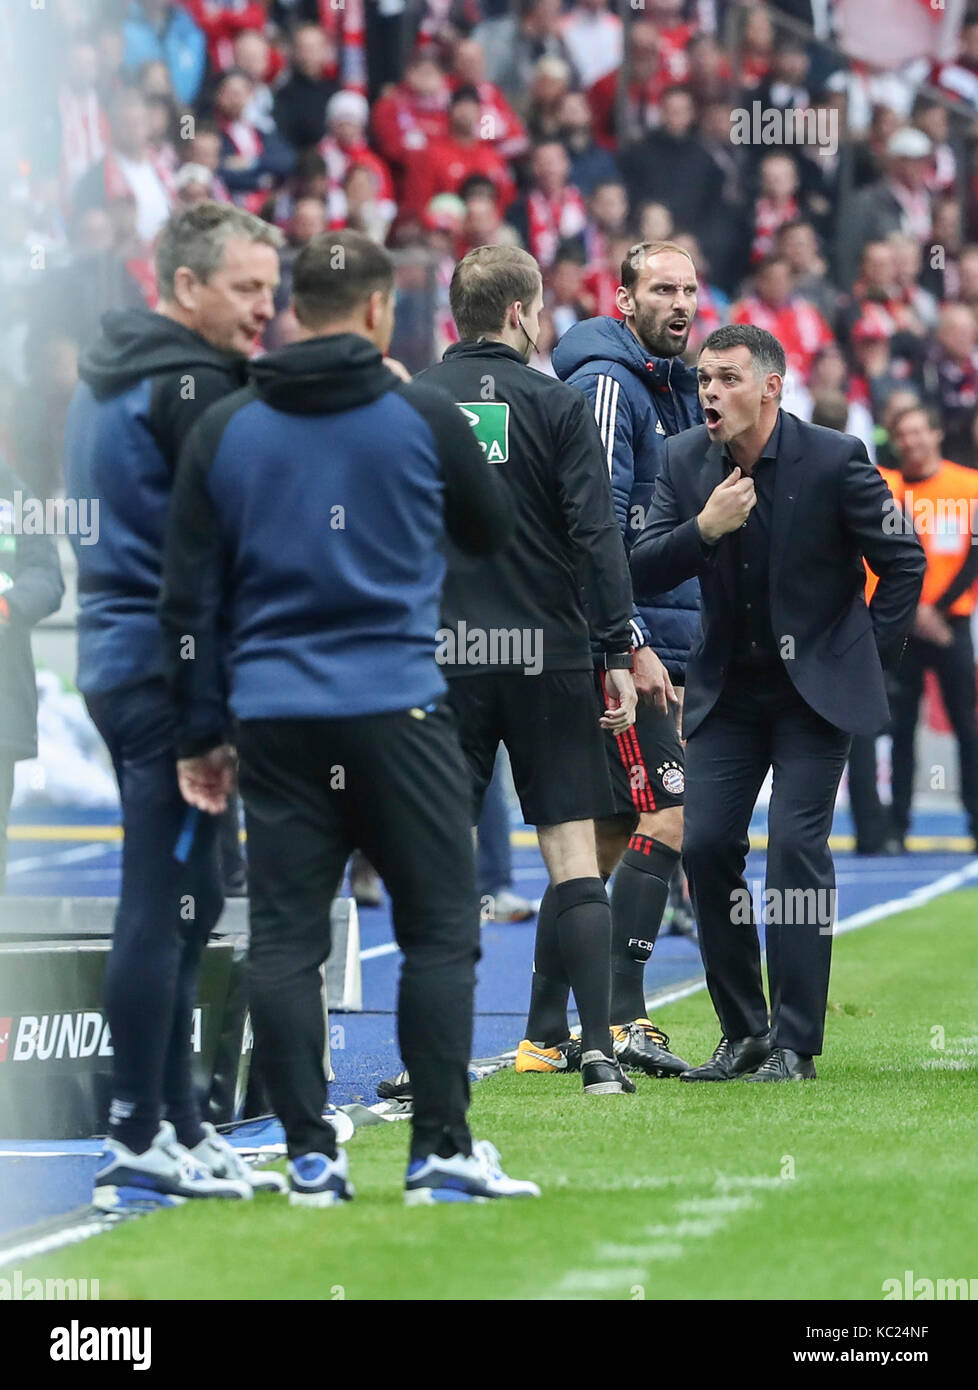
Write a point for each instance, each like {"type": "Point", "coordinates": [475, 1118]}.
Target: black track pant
{"type": "Point", "coordinates": [166, 911]}
{"type": "Point", "coordinates": [954, 667]}
{"type": "Point", "coordinates": [397, 787]}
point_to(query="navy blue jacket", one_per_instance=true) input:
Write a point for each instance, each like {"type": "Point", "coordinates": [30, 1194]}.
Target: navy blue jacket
{"type": "Point", "coordinates": [304, 551]}
{"type": "Point", "coordinates": [144, 383]}
{"type": "Point", "coordinates": [638, 402]}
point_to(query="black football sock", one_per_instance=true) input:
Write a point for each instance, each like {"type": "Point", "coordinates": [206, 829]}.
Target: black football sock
{"type": "Point", "coordinates": [583, 917]}
{"type": "Point", "coordinates": [638, 900]}
{"type": "Point", "coordinates": [546, 1023]}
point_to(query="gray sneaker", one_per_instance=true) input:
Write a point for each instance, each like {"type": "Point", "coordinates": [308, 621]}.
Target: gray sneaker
{"type": "Point", "coordinates": [224, 1161]}
{"type": "Point", "coordinates": [166, 1169]}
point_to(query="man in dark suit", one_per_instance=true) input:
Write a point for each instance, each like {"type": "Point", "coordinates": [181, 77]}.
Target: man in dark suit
{"type": "Point", "coordinates": [775, 517]}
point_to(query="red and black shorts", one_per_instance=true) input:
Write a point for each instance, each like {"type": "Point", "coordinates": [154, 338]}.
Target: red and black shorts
{"type": "Point", "coordinates": [646, 763]}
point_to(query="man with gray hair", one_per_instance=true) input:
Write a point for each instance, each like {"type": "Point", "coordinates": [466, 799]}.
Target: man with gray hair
{"type": "Point", "coordinates": [143, 385]}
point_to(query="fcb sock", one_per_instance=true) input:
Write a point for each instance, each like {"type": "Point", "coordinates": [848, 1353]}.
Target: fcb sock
{"type": "Point", "coordinates": [583, 918]}
{"type": "Point", "coordinates": [638, 900]}
{"type": "Point", "coordinates": [546, 1022]}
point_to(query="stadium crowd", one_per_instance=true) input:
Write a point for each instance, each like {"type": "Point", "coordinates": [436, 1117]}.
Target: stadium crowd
{"type": "Point", "coordinates": [456, 123]}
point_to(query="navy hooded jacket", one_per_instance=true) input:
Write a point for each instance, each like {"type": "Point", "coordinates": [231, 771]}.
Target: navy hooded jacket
{"type": "Point", "coordinates": [144, 383]}
{"type": "Point", "coordinates": [304, 552]}
{"type": "Point", "coordinates": [638, 401]}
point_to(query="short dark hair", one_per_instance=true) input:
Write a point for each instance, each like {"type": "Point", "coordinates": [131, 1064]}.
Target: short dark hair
{"type": "Point", "coordinates": [792, 225]}
{"type": "Point", "coordinates": [570, 249]}
{"type": "Point", "coordinates": [676, 89]}
{"type": "Point", "coordinates": [932, 414]}
{"type": "Point", "coordinates": [772, 259]}
{"type": "Point", "coordinates": [609, 182]}
{"type": "Point", "coordinates": [830, 409]}
{"type": "Point", "coordinates": [309, 164]}
{"type": "Point", "coordinates": [337, 272]}
{"type": "Point", "coordinates": [478, 185]}
{"type": "Point", "coordinates": [764, 348]}
{"type": "Point", "coordinates": [467, 93]}
{"type": "Point", "coordinates": [486, 282]}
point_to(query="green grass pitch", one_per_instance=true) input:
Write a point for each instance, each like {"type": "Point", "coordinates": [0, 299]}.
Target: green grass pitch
{"type": "Point", "coordinates": [810, 1191]}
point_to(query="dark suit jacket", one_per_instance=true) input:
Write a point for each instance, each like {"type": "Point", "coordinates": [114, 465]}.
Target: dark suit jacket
{"type": "Point", "coordinates": [828, 512]}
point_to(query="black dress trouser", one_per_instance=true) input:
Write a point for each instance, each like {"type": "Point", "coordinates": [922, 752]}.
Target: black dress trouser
{"type": "Point", "coordinates": [759, 722]}
{"type": "Point", "coordinates": [954, 667]}
{"type": "Point", "coordinates": [869, 815]}
{"type": "Point", "coordinates": [395, 786]}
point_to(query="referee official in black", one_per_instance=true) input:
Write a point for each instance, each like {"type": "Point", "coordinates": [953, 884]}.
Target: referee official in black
{"type": "Point", "coordinates": [775, 516]}
{"type": "Point", "coordinates": [304, 557]}
{"type": "Point", "coordinates": [516, 629]}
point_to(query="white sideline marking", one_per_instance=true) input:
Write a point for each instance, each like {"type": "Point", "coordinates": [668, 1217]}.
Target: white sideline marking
{"type": "Point", "coordinates": [662, 1250]}
{"type": "Point", "coordinates": [65, 856]}
{"type": "Point", "coordinates": [600, 1280]}
{"type": "Point", "coordinates": [715, 1206]}
{"type": "Point", "coordinates": [915, 898]}
{"type": "Point", "coordinates": [56, 1240]}
{"type": "Point", "coordinates": [946, 884]}
{"type": "Point", "coordinates": [49, 1153]}
{"type": "Point", "coordinates": [691, 1230]}
{"type": "Point", "coordinates": [717, 1210]}
{"type": "Point", "coordinates": [372, 952]}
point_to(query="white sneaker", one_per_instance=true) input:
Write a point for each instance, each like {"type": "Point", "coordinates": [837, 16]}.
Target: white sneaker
{"type": "Point", "coordinates": [507, 906]}
{"type": "Point", "coordinates": [478, 1178]}
{"type": "Point", "coordinates": [166, 1169]}
{"type": "Point", "coordinates": [224, 1161]}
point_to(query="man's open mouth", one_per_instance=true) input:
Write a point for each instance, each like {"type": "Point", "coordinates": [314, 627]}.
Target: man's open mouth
{"type": "Point", "coordinates": [712, 416]}
{"type": "Point", "coordinates": [678, 326]}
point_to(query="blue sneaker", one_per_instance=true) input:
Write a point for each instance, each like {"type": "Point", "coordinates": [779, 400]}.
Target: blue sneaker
{"type": "Point", "coordinates": [478, 1178]}
{"type": "Point", "coordinates": [166, 1170]}
{"type": "Point", "coordinates": [318, 1181]}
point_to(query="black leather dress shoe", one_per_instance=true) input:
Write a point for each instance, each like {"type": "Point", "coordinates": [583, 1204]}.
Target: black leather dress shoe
{"type": "Point", "coordinates": [785, 1065]}
{"type": "Point", "coordinates": [731, 1059]}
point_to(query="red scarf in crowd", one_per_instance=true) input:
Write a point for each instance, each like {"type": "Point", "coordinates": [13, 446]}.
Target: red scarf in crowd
{"type": "Point", "coordinates": [767, 219]}
{"type": "Point", "coordinates": [345, 22]}
{"type": "Point", "coordinates": [117, 185]}
{"type": "Point", "coordinates": [84, 135]}
{"type": "Point", "coordinates": [551, 220]}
